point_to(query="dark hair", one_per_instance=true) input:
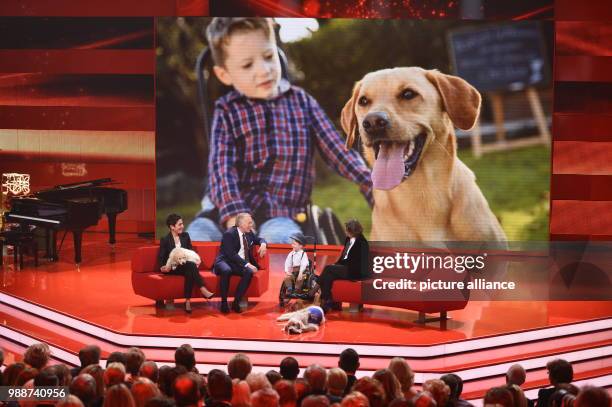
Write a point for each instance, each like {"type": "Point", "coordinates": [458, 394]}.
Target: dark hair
{"type": "Point", "coordinates": [149, 370]}
{"type": "Point", "coordinates": [37, 355]}
{"type": "Point", "coordinates": [10, 374]}
{"type": "Point", "coordinates": [289, 368]}
{"type": "Point", "coordinates": [591, 396]}
{"type": "Point", "coordinates": [221, 29]}
{"type": "Point", "coordinates": [160, 401]}
{"type": "Point", "coordinates": [84, 386]}
{"type": "Point", "coordinates": [560, 371]}
{"type": "Point", "coordinates": [499, 395]}
{"type": "Point", "coordinates": [455, 383]}
{"type": "Point", "coordinates": [349, 360]}
{"type": "Point", "coordinates": [273, 376]}
{"type": "Point", "coordinates": [354, 227]}
{"type": "Point", "coordinates": [239, 366]}
{"type": "Point", "coordinates": [116, 357]}
{"type": "Point", "coordinates": [185, 356]}
{"type": "Point", "coordinates": [46, 377]}
{"type": "Point", "coordinates": [372, 389]}
{"type": "Point", "coordinates": [89, 355]}
{"type": "Point", "coordinates": [172, 219]}
{"type": "Point", "coordinates": [220, 385]}
{"type": "Point", "coordinates": [186, 389]}
{"type": "Point", "coordinates": [134, 357]}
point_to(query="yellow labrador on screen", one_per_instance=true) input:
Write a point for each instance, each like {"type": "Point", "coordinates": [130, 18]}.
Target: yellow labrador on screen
{"type": "Point", "coordinates": [422, 191]}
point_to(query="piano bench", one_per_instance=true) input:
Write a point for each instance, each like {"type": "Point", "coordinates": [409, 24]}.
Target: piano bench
{"type": "Point", "coordinates": [19, 241]}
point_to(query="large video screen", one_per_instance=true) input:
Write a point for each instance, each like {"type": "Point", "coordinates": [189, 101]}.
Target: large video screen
{"type": "Point", "coordinates": [423, 130]}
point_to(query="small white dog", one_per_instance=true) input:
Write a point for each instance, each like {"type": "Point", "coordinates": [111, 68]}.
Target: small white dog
{"type": "Point", "coordinates": [179, 256]}
{"type": "Point", "coordinates": [304, 320]}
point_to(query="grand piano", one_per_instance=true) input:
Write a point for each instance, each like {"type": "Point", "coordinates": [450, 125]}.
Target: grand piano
{"type": "Point", "coordinates": [70, 207]}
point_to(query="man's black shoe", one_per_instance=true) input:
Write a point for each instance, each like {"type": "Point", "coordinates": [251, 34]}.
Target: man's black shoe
{"type": "Point", "coordinates": [224, 307]}
{"type": "Point", "coordinates": [236, 307]}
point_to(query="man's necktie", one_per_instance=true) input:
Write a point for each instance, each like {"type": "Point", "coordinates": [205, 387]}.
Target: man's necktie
{"type": "Point", "coordinates": [246, 248]}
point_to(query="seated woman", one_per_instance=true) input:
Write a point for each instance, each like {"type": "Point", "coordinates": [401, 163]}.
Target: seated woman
{"type": "Point", "coordinates": [177, 238]}
{"type": "Point", "coordinates": [351, 265]}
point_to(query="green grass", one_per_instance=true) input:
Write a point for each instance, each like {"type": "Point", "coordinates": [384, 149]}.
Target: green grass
{"type": "Point", "coordinates": [515, 183]}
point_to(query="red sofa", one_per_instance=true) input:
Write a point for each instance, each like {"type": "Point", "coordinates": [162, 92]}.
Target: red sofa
{"type": "Point", "coordinates": [149, 282]}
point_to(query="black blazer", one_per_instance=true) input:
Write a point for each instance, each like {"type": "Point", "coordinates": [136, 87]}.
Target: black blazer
{"type": "Point", "coordinates": [166, 245]}
{"type": "Point", "coordinates": [358, 258]}
{"type": "Point", "coordinates": [230, 246]}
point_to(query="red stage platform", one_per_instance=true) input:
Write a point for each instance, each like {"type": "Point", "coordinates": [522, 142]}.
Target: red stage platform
{"type": "Point", "coordinates": [68, 307]}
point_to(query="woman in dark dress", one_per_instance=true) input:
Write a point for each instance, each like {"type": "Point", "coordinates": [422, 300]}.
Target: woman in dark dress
{"type": "Point", "coordinates": [351, 265]}
{"type": "Point", "coordinates": [177, 238]}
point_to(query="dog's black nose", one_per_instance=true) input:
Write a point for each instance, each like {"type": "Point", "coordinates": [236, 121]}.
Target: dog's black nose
{"type": "Point", "coordinates": [376, 123]}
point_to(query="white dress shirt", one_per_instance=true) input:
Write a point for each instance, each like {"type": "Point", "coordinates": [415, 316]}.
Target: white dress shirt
{"type": "Point", "coordinates": [351, 243]}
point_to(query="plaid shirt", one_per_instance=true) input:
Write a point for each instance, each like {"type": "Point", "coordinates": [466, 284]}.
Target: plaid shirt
{"type": "Point", "coordinates": [262, 153]}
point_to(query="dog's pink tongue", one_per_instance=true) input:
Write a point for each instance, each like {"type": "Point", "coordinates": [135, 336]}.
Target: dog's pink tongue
{"type": "Point", "coordinates": [389, 166]}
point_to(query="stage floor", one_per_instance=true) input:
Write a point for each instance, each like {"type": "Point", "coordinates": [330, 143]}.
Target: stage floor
{"type": "Point", "coordinates": [100, 293]}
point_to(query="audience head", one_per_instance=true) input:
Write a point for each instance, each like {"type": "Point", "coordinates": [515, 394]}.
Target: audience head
{"type": "Point", "coordinates": [97, 373]}
{"type": "Point", "coordinates": [165, 381]}
{"type": "Point", "coordinates": [316, 376]}
{"type": "Point", "coordinates": [241, 394]}
{"type": "Point", "coordinates": [265, 397]}
{"type": "Point", "coordinates": [220, 385]}
{"type": "Point", "coordinates": [149, 370]}
{"type": "Point", "coordinates": [185, 356]}
{"type": "Point", "coordinates": [516, 375]}
{"type": "Point", "coordinates": [70, 401]}
{"type": "Point", "coordinates": [160, 401]}
{"type": "Point", "coordinates": [89, 355]}
{"type": "Point", "coordinates": [424, 399]}
{"type": "Point", "coordinates": [402, 372]}
{"type": "Point", "coordinates": [336, 381]}
{"type": "Point", "coordinates": [114, 374]}
{"type": "Point", "coordinates": [134, 357]}
{"type": "Point", "coordinates": [46, 377]}
{"type": "Point", "coordinates": [25, 376]}
{"type": "Point", "coordinates": [372, 389]}
{"type": "Point", "coordinates": [349, 361]}
{"type": "Point", "coordinates": [559, 371]}
{"type": "Point", "coordinates": [143, 390]}
{"type": "Point", "coordinates": [84, 386]}
{"type": "Point", "coordinates": [63, 374]}
{"type": "Point", "coordinates": [500, 396]}
{"type": "Point", "coordinates": [455, 384]}
{"type": "Point", "coordinates": [187, 389]}
{"type": "Point", "coordinates": [517, 395]}
{"type": "Point", "coordinates": [289, 368]}
{"type": "Point", "coordinates": [315, 400]}
{"type": "Point", "coordinates": [273, 376]}
{"type": "Point", "coordinates": [390, 384]}
{"type": "Point", "coordinates": [301, 387]}
{"type": "Point", "coordinates": [355, 399]}
{"type": "Point", "coordinates": [257, 381]}
{"type": "Point", "coordinates": [10, 374]}
{"type": "Point", "coordinates": [239, 366]}
{"type": "Point", "coordinates": [116, 357]}
{"type": "Point", "coordinates": [590, 396]}
{"type": "Point", "coordinates": [286, 393]}
{"type": "Point", "coordinates": [37, 355]}
{"type": "Point", "coordinates": [118, 396]}
{"type": "Point", "coordinates": [438, 389]}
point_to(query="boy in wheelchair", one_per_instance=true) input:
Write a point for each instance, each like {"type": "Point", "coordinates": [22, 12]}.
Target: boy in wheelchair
{"type": "Point", "coordinates": [300, 280]}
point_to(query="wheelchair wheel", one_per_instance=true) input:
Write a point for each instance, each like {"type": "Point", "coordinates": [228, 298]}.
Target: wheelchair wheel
{"type": "Point", "coordinates": [282, 294]}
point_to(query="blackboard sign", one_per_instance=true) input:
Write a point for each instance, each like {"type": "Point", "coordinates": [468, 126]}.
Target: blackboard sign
{"type": "Point", "coordinates": [500, 57]}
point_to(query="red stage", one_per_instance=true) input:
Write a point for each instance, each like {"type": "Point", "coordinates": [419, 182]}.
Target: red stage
{"type": "Point", "coordinates": [69, 307]}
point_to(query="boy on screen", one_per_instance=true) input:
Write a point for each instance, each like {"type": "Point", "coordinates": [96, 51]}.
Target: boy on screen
{"type": "Point", "coordinates": [264, 134]}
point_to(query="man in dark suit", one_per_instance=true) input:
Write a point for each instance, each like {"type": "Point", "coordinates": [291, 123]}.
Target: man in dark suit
{"type": "Point", "coordinates": [351, 265]}
{"type": "Point", "coordinates": [560, 371]}
{"type": "Point", "coordinates": [235, 259]}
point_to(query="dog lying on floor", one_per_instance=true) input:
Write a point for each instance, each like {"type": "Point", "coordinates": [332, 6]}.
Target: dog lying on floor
{"type": "Point", "coordinates": [304, 320]}
{"type": "Point", "coordinates": [405, 118]}
{"type": "Point", "coordinates": [179, 256]}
